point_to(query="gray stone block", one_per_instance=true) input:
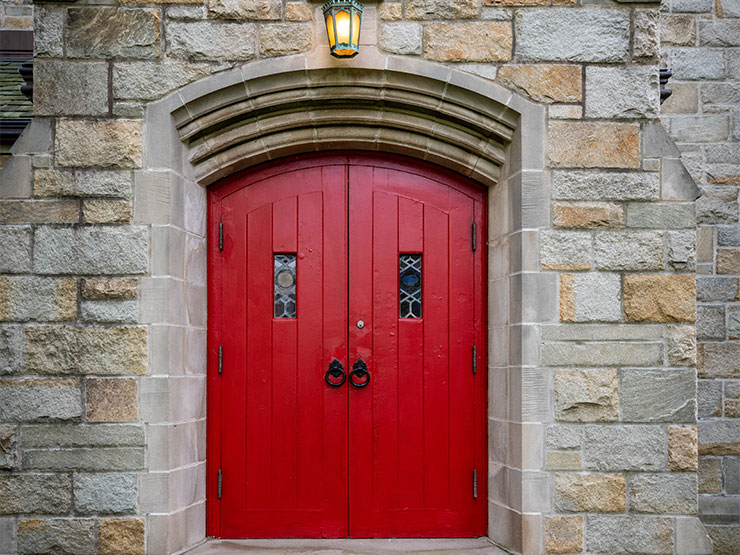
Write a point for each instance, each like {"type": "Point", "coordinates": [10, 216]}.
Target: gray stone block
{"type": "Point", "coordinates": [17, 177]}
{"type": "Point", "coordinates": [714, 288]}
{"type": "Point", "coordinates": [597, 297]}
{"type": "Point", "coordinates": [48, 23]}
{"type": "Point", "coordinates": [57, 536]}
{"type": "Point", "coordinates": [35, 493]}
{"type": "Point", "coordinates": [731, 475]}
{"type": "Point", "coordinates": [26, 400]}
{"type": "Point", "coordinates": [681, 248]}
{"type": "Point", "coordinates": [669, 493]}
{"type": "Point", "coordinates": [70, 88]}
{"type": "Point", "coordinates": [719, 432]}
{"type": "Point", "coordinates": [560, 34]}
{"type": "Point", "coordinates": [602, 332]}
{"type": "Point", "coordinates": [709, 398]}
{"type": "Point", "coordinates": [565, 250]}
{"type": "Point", "coordinates": [656, 143]}
{"type": "Point", "coordinates": [602, 354]}
{"type": "Point", "coordinates": [731, 8]}
{"type": "Point", "coordinates": [401, 38]}
{"type": "Point", "coordinates": [121, 312]}
{"type": "Point", "coordinates": [706, 128]}
{"type": "Point", "coordinates": [81, 435]}
{"type": "Point", "coordinates": [719, 32]}
{"type": "Point", "coordinates": [722, 94]}
{"type": "Point", "coordinates": [35, 298]}
{"type": "Point", "coordinates": [717, 205]}
{"type": "Point", "coordinates": [105, 493]}
{"type": "Point", "coordinates": [84, 459]}
{"type": "Point", "coordinates": [91, 250]}
{"type": "Point", "coordinates": [35, 139]}
{"type": "Point", "coordinates": [564, 436]}
{"type": "Point", "coordinates": [691, 538]}
{"type": "Point", "coordinates": [109, 32]}
{"type": "Point", "coordinates": [677, 183]}
{"type": "Point", "coordinates": [11, 349]}
{"type": "Point", "coordinates": [629, 250]}
{"type": "Point", "coordinates": [84, 183]}
{"type": "Point", "coordinates": [8, 543]}
{"type": "Point", "coordinates": [16, 243]}
{"type": "Point", "coordinates": [714, 509]}
{"type": "Point", "coordinates": [628, 534]}
{"type": "Point", "coordinates": [629, 447]}
{"type": "Point", "coordinates": [211, 40]}
{"type": "Point", "coordinates": [658, 395]}
{"type": "Point", "coordinates": [723, 153]}
{"type": "Point", "coordinates": [8, 447]}
{"type": "Point", "coordinates": [622, 92]}
{"type": "Point", "coordinates": [151, 80]}
{"type": "Point", "coordinates": [710, 322]}
{"type": "Point", "coordinates": [692, 64]}
{"type": "Point", "coordinates": [646, 41]}
{"type": "Point", "coordinates": [661, 216]}
{"type": "Point", "coordinates": [692, 6]}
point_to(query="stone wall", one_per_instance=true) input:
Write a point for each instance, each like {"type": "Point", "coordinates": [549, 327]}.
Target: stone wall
{"type": "Point", "coordinates": [16, 14]}
{"type": "Point", "coordinates": [592, 400]}
{"type": "Point", "coordinates": [701, 45]}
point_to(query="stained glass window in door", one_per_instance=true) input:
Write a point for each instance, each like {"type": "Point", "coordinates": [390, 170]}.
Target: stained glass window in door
{"type": "Point", "coordinates": [285, 286]}
{"type": "Point", "coordinates": [410, 280]}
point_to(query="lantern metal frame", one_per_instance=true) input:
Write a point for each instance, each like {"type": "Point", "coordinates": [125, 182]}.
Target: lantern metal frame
{"type": "Point", "coordinates": [352, 7]}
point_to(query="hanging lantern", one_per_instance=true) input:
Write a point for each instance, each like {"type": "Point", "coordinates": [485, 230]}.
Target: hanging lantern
{"type": "Point", "coordinates": [343, 18]}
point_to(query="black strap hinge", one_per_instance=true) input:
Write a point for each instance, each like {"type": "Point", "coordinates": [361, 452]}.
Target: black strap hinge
{"type": "Point", "coordinates": [475, 359]}
{"type": "Point", "coordinates": [475, 484]}
{"type": "Point", "coordinates": [220, 236]}
{"type": "Point", "coordinates": [219, 483]}
{"type": "Point", "coordinates": [475, 236]}
{"type": "Point", "coordinates": [220, 359]}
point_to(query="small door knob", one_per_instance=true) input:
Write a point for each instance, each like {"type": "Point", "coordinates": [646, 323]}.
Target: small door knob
{"type": "Point", "coordinates": [360, 324]}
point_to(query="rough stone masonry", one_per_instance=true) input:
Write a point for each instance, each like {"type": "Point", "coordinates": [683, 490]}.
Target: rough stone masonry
{"type": "Point", "coordinates": [102, 295]}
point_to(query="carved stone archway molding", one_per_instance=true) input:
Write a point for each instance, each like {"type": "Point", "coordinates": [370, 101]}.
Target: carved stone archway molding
{"type": "Point", "coordinates": [270, 109]}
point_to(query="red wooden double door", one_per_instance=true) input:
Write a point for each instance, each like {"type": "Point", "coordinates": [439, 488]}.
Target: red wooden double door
{"type": "Point", "coordinates": [346, 388]}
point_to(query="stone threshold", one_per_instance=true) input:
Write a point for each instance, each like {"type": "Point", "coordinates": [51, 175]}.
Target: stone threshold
{"type": "Point", "coordinates": [391, 546]}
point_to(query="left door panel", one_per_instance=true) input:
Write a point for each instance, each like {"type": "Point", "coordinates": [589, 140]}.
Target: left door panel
{"type": "Point", "coordinates": [280, 435]}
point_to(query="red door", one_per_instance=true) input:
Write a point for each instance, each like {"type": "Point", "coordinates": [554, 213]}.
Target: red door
{"type": "Point", "coordinates": [346, 361]}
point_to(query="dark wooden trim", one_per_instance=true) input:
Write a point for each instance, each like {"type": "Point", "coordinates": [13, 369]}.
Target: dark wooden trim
{"type": "Point", "coordinates": [11, 129]}
{"type": "Point", "coordinates": [16, 43]}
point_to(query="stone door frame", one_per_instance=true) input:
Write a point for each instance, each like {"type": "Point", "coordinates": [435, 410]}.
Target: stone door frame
{"type": "Point", "coordinates": [266, 110]}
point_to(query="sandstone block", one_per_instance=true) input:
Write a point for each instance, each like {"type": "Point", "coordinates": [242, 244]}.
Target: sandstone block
{"type": "Point", "coordinates": [559, 111]}
{"type": "Point", "coordinates": [110, 288]}
{"type": "Point", "coordinates": [598, 493]}
{"type": "Point", "coordinates": [681, 345]}
{"type": "Point", "coordinates": [684, 100]}
{"type": "Point", "coordinates": [663, 493]}
{"type": "Point", "coordinates": [646, 41]}
{"type": "Point", "coordinates": [211, 40]}
{"type": "Point", "coordinates": [441, 9]}
{"type": "Point", "coordinates": [718, 360]}
{"type": "Point", "coordinates": [659, 298]}
{"type": "Point", "coordinates": [105, 32]}
{"type": "Point", "coordinates": [587, 216]}
{"type": "Point", "coordinates": [273, 43]}
{"type": "Point", "coordinates": [111, 399]}
{"type": "Point", "coordinates": [91, 250]}
{"type": "Point", "coordinates": [468, 42]}
{"type": "Point", "coordinates": [26, 400]}
{"type": "Point", "coordinates": [602, 354]}
{"type": "Point", "coordinates": [82, 435]}
{"type": "Point", "coordinates": [600, 186]}
{"type": "Point", "coordinates": [628, 447]}
{"type": "Point", "coordinates": [48, 38]}
{"type": "Point", "coordinates": [590, 297]}
{"type": "Point", "coordinates": [683, 451]}
{"type": "Point", "coordinates": [246, 9]}
{"type": "Point", "coordinates": [629, 250]}
{"type": "Point", "coordinates": [87, 183]}
{"type": "Point", "coordinates": [16, 242]}
{"type": "Point", "coordinates": [63, 350]}
{"type": "Point", "coordinates": [70, 88]}
{"type": "Point", "coordinates": [57, 536]}
{"type": "Point", "coordinates": [658, 395]}
{"type": "Point", "coordinates": [678, 30]}
{"type": "Point", "coordinates": [561, 34]}
{"type": "Point", "coordinates": [565, 250]}
{"type": "Point", "coordinates": [93, 460]}
{"type": "Point", "coordinates": [24, 299]}
{"type": "Point", "coordinates": [563, 460]}
{"type": "Point", "coordinates": [111, 312]}
{"type": "Point", "coordinates": [35, 493]}
{"type": "Point", "coordinates": [628, 534]}
{"type": "Point", "coordinates": [695, 64]}
{"type": "Point", "coordinates": [709, 475]}
{"type": "Point", "coordinates": [401, 38]}
{"type": "Point", "coordinates": [151, 80]}
{"type": "Point", "coordinates": [544, 83]}
{"type": "Point", "coordinates": [622, 92]}
{"type": "Point", "coordinates": [8, 448]}
{"type": "Point", "coordinates": [296, 11]}
{"type": "Point", "coordinates": [388, 11]}
{"type": "Point", "coordinates": [106, 211]}
{"type": "Point", "coordinates": [593, 145]}
{"type": "Point", "coordinates": [586, 395]}
{"type": "Point", "coordinates": [121, 536]}
{"type": "Point", "coordinates": [564, 534]}
{"type": "Point", "coordinates": [39, 212]}
{"type": "Point", "coordinates": [728, 261]}
{"type": "Point", "coordinates": [110, 143]}
{"type": "Point", "coordinates": [105, 493]}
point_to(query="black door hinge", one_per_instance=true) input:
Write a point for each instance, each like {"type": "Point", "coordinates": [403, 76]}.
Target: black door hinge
{"type": "Point", "coordinates": [475, 236]}
{"type": "Point", "coordinates": [220, 236]}
{"type": "Point", "coordinates": [220, 359]}
{"type": "Point", "coordinates": [219, 483]}
{"type": "Point", "coordinates": [475, 484]}
{"type": "Point", "coordinates": [475, 359]}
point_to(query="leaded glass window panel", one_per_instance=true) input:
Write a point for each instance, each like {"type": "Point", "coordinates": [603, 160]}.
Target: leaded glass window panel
{"type": "Point", "coordinates": [410, 280]}
{"type": "Point", "coordinates": [285, 286]}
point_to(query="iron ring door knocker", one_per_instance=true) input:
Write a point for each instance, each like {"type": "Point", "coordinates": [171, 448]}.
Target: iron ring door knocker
{"type": "Point", "coordinates": [335, 375]}
{"type": "Point", "coordinates": [359, 370]}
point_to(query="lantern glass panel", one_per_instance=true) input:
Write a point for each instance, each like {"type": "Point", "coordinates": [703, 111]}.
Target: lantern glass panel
{"type": "Point", "coordinates": [355, 29]}
{"type": "Point", "coordinates": [330, 30]}
{"type": "Point", "coordinates": [342, 21]}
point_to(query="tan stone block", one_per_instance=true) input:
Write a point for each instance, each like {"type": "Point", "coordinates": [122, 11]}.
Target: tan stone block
{"type": "Point", "coordinates": [106, 211]}
{"type": "Point", "coordinates": [39, 212]}
{"type": "Point", "coordinates": [544, 83]}
{"type": "Point", "coordinates": [121, 536]}
{"type": "Point", "coordinates": [110, 288]}
{"type": "Point", "coordinates": [588, 216]}
{"type": "Point", "coordinates": [273, 43]}
{"type": "Point", "coordinates": [106, 143]}
{"type": "Point", "coordinates": [710, 475]}
{"type": "Point", "coordinates": [683, 100]}
{"type": "Point", "coordinates": [245, 9]}
{"type": "Point", "coordinates": [468, 42]}
{"type": "Point", "coordinates": [297, 11]}
{"type": "Point", "coordinates": [564, 534]}
{"type": "Point", "coordinates": [683, 449]}
{"type": "Point", "coordinates": [18, 22]}
{"type": "Point", "coordinates": [507, 3]}
{"type": "Point", "coordinates": [390, 11]}
{"type": "Point", "coordinates": [567, 298]}
{"type": "Point", "coordinates": [111, 400]}
{"type": "Point", "coordinates": [732, 408]}
{"type": "Point", "coordinates": [659, 298]}
{"type": "Point", "coordinates": [161, 1]}
{"type": "Point", "coordinates": [586, 395]}
{"type": "Point", "coordinates": [677, 30]}
{"type": "Point", "coordinates": [728, 261]}
{"type": "Point", "coordinates": [441, 9]}
{"type": "Point", "coordinates": [564, 460]}
{"type": "Point", "coordinates": [590, 493]}
{"type": "Point", "coordinates": [594, 145]}
{"type": "Point", "coordinates": [37, 298]}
